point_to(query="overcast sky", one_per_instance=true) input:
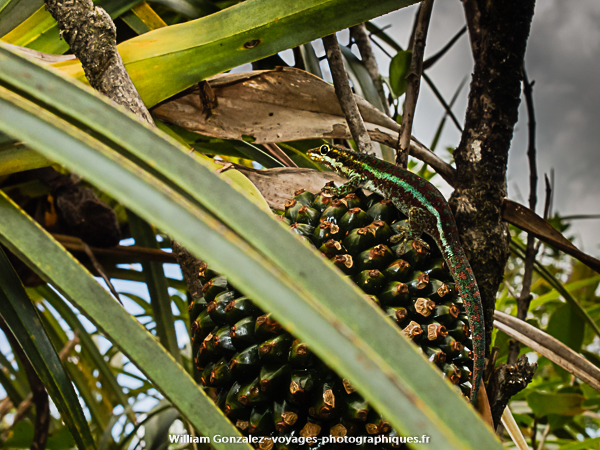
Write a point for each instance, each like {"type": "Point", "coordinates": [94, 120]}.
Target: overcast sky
{"type": "Point", "coordinates": [563, 57]}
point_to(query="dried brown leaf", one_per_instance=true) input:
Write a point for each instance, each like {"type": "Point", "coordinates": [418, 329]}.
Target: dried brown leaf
{"type": "Point", "coordinates": [527, 220]}
{"type": "Point", "coordinates": [285, 104]}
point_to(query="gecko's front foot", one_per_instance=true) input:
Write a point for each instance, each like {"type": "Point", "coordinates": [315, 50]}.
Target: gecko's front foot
{"type": "Point", "coordinates": [329, 191]}
{"type": "Point", "coordinates": [407, 241]}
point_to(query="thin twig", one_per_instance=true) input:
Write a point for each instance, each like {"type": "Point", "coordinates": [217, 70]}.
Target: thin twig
{"type": "Point", "coordinates": [428, 80]}
{"type": "Point", "coordinates": [547, 204]}
{"type": "Point", "coordinates": [583, 375]}
{"type": "Point", "coordinates": [580, 217]}
{"type": "Point", "coordinates": [534, 432]}
{"type": "Point", "coordinates": [345, 95]}
{"type": "Point", "coordinates": [5, 406]}
{"type": "Point", "coordinates": [544, 435]}
{"type": "Point", "coordinates": [30, 401]}
{"type": "Point", "coordinates": [531, 149]}
{"type": "Point", "coordinates": [413, 31]}
{"type": "Point", "coordinates": [100, 270]}
{"type": "Point", "coordinates": [37, 399]}
{"type": "Point", "coordinates": [447, 107]}
{"type": "Point", "coordinates": [359, 33]}
{"type": "Point", "coordinates": [510, 290]}
{"type": "Point", "coordinates": [388, 54]}
{"type": "Point", "coordinates": [413, 82]}
{"type": "Point", "coordinates": [118, 254]}
{"type": "Point", "coordinates": [432, 60]}
{"type": "Point", "coordinates": [531, 251]}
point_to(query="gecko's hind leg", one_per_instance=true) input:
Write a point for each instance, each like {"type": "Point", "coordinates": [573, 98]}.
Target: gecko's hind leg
{"type": "Point", "coordinates": [409, 230]}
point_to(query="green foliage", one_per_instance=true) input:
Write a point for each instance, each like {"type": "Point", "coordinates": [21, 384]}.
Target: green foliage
{"type": "Point", "coordinates": [399, 69]}
{"type": "Point", "coordinates": [124, 356]}
{"type": "Point", "coordinates": [561, 292]}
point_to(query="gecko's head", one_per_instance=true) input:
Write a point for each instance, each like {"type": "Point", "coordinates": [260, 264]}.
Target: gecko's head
{"type": "Point", "coordinates": [334, 157]}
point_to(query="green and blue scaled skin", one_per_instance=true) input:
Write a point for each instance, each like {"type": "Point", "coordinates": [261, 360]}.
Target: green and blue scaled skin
{"type": "Point", "coordinates": [428, 212]}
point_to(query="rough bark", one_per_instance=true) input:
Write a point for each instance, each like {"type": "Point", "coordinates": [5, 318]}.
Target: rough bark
{"type": "Point", "coordinates": [499, 30]}
{"type": "Point", "coordinates": [92, 36]}
{"type": "Point", "coordinates": [507, 381]}
{"type": "Point", "coordinates": [190, 268]}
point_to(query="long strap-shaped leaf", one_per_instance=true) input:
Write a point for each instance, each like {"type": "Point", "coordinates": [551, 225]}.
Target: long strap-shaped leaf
{"type": "Point", "coordinates": [22, 318]}
{"type": "Point", "coordinates": [343, 349]}
{"type": "Point", "coordinates": [108, 378]}
{"type": "Point", "coordinates": [311, 272]}
{"type": "Point", "coordinates": [155, 279]}
{"type": "Point", "coordinates": [44, 255]}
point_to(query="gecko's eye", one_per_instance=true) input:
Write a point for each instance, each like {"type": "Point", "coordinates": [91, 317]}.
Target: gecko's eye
{"type": "Point", "coordinates": [324, 149]}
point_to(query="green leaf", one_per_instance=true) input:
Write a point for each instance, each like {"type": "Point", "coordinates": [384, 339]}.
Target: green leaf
{"type": "Point", "coordinates": [108, 379]}
{"type": "Point", "coordinates": [21, 435]}
{"type": "Point", "coordinates": [255, 276]}
{"type": "Point", "coordinates": [310, 59]}
{"type": "Point", "coordinates": [19, 158]}
{"type": "Point", "coordinates": [21, 317]}
{"type": "Point", "coordinates": [361, 80]}
{"type": "Point", "coordinates": [570, 287]}
{"type": "Point", "coordinates": [544, 403]}
{"type": "Point", "coordinates": [83, 381]}
{"type": "Point", "coordinates": [13, 12]}
{"type": "Point", "coordinates": [160, 300]}
{"type": "Point", "coordinates": [399, 69]}
{"type": "Point", "coordinates": [587, 444]}
{"type": "Point", "coordinates": [565, 326]}
{"type": "Point", "coordinates": [302, 292]}
{"type": "Point", "coordinates": [40, 31]}
{"type": "Point", "coordinates": [60, 440]}
{"type": "Point", "coordinates": [519, 250]}
{"type": "Point", "coordinates": [45, 256]}
{"type": "Point", "coordinates": [182, 55]}
{"type": "Point", "coordinates": [381, 34]}
{"type": "Point", "coordinates": [13, 389]}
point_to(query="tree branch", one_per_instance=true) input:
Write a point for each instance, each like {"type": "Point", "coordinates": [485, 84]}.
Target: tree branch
{"type": "Point", "coordinates": [345, 95]}
{"type": "Point", "coordinates": [499, 37]}
{"type": "Point", "coordinates": [525, 297]}
{"type": "Point", "coordinates": [92, 37]}
{"type": "Point", "coordinates": [413, 82]}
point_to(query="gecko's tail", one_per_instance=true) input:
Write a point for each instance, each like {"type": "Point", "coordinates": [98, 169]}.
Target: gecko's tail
{"type": "Point", "coordinates": [469, 291]}
{"type": "Point", "coordinates": [478, 366]}
{"type": "Point", "coordinates": [472, 300]}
